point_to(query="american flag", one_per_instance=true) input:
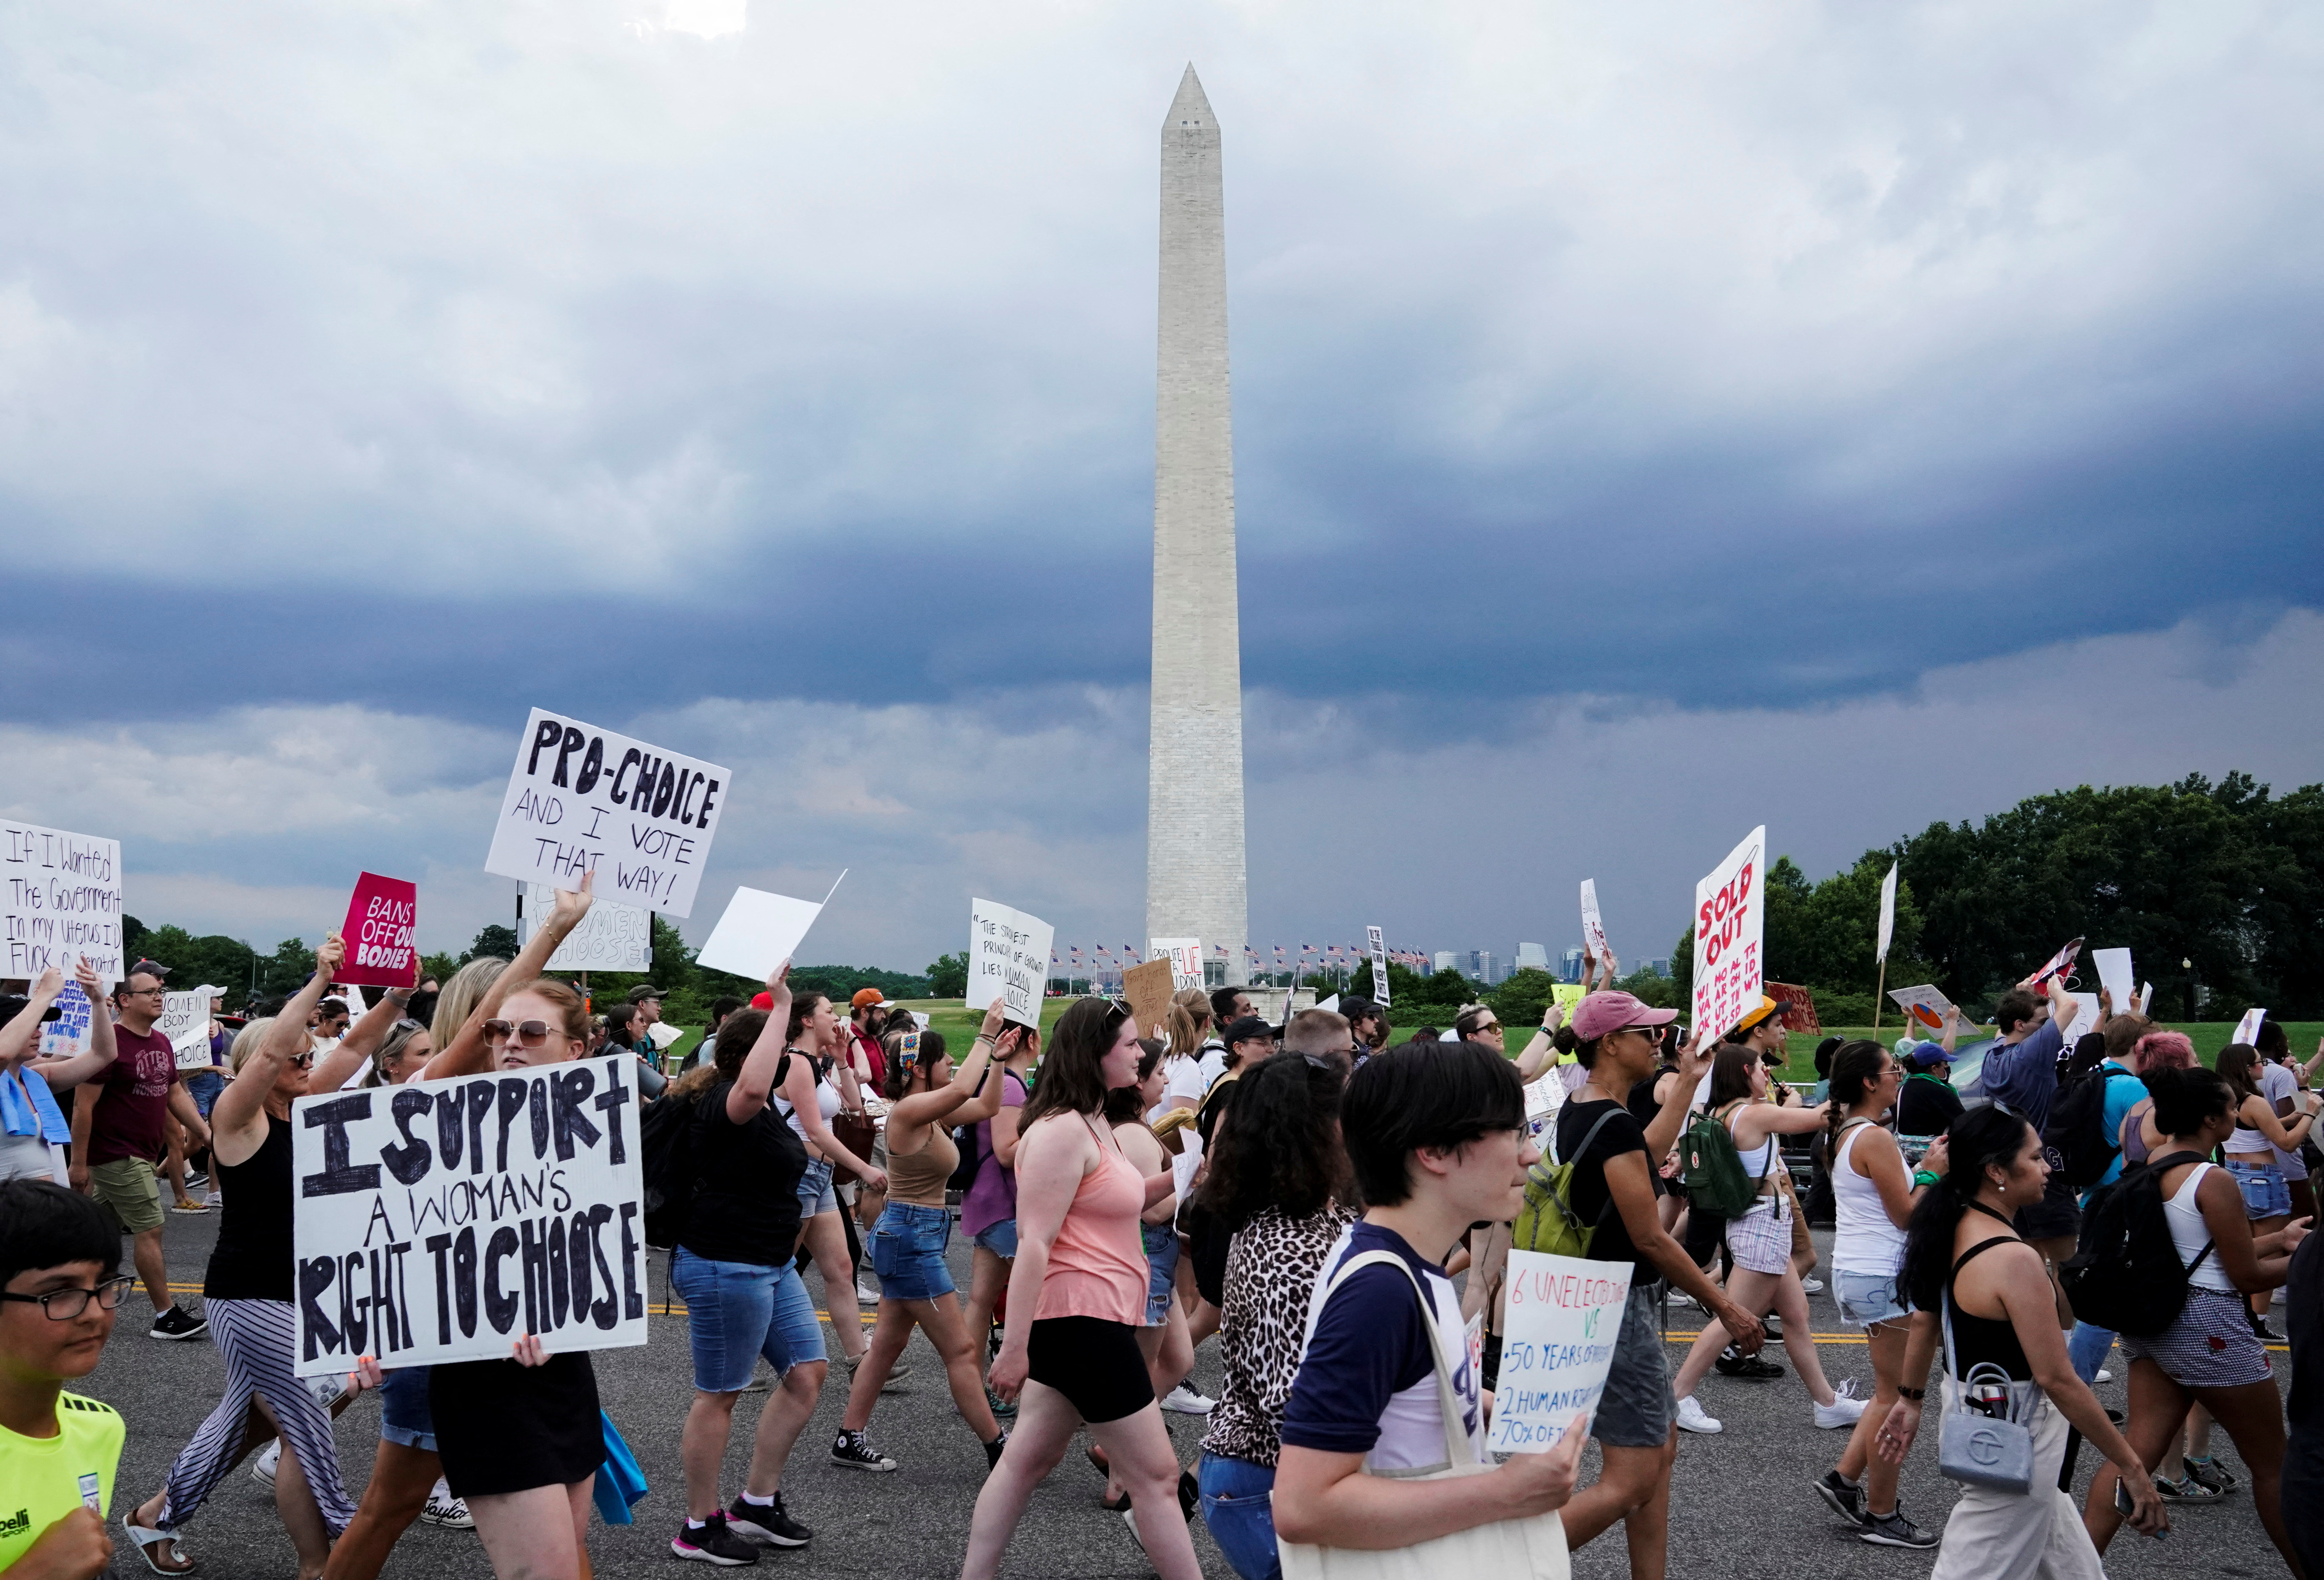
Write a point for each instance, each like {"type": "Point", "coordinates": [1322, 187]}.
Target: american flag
{"type": "Point", "coordinates": [1218, 949]}
{"type": "Point", "coordinates": [1278, 954]}
{"type": "Point", "coordinates": [1129, 951]}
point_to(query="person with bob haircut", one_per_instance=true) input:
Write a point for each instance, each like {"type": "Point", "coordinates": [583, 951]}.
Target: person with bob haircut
{"type": "Point", "coordinates": [1435, 1137]}
{"type": "Point", "coordinates": [60, 1286]}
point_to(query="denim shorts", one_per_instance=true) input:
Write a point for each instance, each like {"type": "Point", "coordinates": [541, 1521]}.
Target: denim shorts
{"type": "Point", "coordinates": [1867, 1299]}
{"type": "Point", "coordinates": [1637, 1409]}
{"type": "Point", "coordinates": [736, 1311]}
{"type": "Point", "coordinates": [404, 1414]}
{"type": "Point", "coordinates": [815, 1193]}
{"type": "Point", "coordinates": [999, 1238]}
{"type": "Point", "coordinates": [1161, 1241]}
{"type": "Point", "coordinates": [2266, 1194]}
{"type": "Point", "coordinates": [1239, 1506]}
{"type": "Point", "coordinates": [908, 1251]}
{"type": "Point", "coordinates": [203, 1087]}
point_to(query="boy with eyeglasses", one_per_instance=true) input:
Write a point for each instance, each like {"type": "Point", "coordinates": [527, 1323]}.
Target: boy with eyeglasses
{"type": "Point", "coordinates": [57, 1450]}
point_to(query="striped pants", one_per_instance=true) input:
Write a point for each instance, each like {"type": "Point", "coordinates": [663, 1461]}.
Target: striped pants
{"type": "Point", "coordinates": [258, 1339]}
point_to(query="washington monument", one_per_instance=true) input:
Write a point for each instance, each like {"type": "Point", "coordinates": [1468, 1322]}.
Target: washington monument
{"type": "Point", "coordinates": [1194, 883]}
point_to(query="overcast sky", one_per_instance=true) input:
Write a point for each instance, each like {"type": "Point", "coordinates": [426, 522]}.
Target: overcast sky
{"type": "Point", "coordinates": [1648, 424]}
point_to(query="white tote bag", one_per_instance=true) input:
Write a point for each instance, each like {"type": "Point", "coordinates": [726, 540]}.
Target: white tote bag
{"type": "Point", "coordinates": [1532, 1548]}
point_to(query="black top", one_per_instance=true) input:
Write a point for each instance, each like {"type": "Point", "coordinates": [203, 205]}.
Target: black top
{"type": "Point", "coordinates": [1621, 1134]}
{"type": "Point", "coordinates": [746, 1206]}
{"type": "Point", "coordinates": [1642, 1105]}
{"type": "Point", "coordinates": [2303, 1305]}
{"type": "Point", "coordinates": [253, 1258]}
{"type": "Point", "coordinates": [1926, 1106]}
{"type": "Point", "coordinates": [1980, 1340]}
{"type": "Point", "coordinates": [1219, 1099]}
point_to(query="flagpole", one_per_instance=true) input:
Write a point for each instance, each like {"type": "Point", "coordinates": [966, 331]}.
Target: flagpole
{"type": "Point", "coordinates": [1879, 994]}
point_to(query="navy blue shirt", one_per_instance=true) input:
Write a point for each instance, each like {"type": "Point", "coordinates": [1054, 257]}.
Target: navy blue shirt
{"type": "Point", "coordinates": [2024, 1078]}
{"type": "Point", "coordinates": [1366, 1382]}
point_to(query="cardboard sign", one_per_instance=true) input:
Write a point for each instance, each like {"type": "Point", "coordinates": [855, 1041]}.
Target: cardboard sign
{"type": "Point", "coordinates": [2114, 975]}
{"type": "Point", "coordinates": [1594, 929]}
{"type": "Point", "coordinates": [1564, 1317]}
{"type": "Point", "coordinates": [440, 1220]}
{"type": "Point", "coordinates": [68, 1034]}
{"type": "Point", "coordinates": [2060, 964]}
{"type": "Point", "coordinates": [59, 903]}
{"type": "Point", "coordinates": [582, 799]}
{"type": "Point", "coordinates": [1887, 912]}
{"type": "Point", "coordinates": [1377, 943]}
{"type": "Point", "coordinates": [2247, 1028]}
{"type": "Point", "coordinates": [759, 932]}
{"type": "Point", "coordinates": [612, 938]}
{"type": "Point", "coordinates": [1185, 958]}
{"type": "Point", "coordinates": [1009, 960]}
{"type": "Point", "coordinates": [1147, 990]}
{"type": "Point", "coordinates": [1731, 917]}
{"type": "Point", "coordinates": [378, 932]}
{"type": "Point", "coordinates": [186, 1023]}
{"type": "Point", "coordinates": [1799, 1011]}
{"type": "Point", "coordinates": [1924, 1008]}
{"type": "Point", "coordinates": [2085, 1020]}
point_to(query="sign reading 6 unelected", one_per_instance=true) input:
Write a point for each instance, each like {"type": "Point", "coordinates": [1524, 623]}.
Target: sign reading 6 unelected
{"type": "Point", "coordinates": [583, 799]}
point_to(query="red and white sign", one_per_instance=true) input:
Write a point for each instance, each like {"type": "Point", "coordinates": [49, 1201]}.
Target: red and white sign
{"type": "Point", "coordinates": [378, 934]}
{"type": "Point", "coordinates": [1731, 919]}
{"type": "Point", "coordinates": [1594, 930]}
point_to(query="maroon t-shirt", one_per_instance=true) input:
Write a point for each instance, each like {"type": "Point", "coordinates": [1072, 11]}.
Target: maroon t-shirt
{"type": "Point", "coordinates": [132, 1094]}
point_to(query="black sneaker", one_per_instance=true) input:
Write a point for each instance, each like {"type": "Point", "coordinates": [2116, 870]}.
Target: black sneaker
{"type": "Point", "coordinates": [854, 1450]}
{"type": "Point", "coordinates": [2190, 1491]}
{"type": "Point", "coordinates": [1892, 1529]}
{"type": "Point", "coordinates": [2210, 1472]}
{"type": "Point", "coordinates": [713, 1544]}
{"type": "Point", "coordinates": [1846, 1497]}
{"type": "Point", "coordinates": [2266, 1334]}
{"type": "Point", "coordinates": [992, 1450]}
{"type": "Point", "coordinates": [178, 1322]}
{"type": "Point", "coordinates": [769, 1525]}
{"type": "Point", "coordinates": [1733, 1363]}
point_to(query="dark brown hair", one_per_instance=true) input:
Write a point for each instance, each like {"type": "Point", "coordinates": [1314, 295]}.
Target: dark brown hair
{"type": "Point", "coordinates": [1072, 1080]}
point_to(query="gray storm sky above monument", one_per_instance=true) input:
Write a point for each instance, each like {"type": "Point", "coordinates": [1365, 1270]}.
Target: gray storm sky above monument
{"type": "Point", "coordinates": [1195, 884]}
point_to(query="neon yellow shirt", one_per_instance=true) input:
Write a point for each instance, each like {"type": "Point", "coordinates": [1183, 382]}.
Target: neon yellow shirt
{"type": "Point", "coordinates": [44, 1478]}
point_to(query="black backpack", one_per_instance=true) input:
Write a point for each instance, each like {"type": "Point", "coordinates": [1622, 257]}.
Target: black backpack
{"type": "Point", "coordinates": [666, 1160]}
{"type": "Point", "coordinates": [2077, 1131]}
{"type": "Point", "coordinates": [2126, 1275]}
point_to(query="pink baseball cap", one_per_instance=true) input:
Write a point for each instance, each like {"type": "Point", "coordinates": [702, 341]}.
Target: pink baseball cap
{"type": "Point", "coordinates": [1601, 1012]}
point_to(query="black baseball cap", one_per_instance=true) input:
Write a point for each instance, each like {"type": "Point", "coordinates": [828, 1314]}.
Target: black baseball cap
{"type": "Point", "coordinates": [1250, 1029]}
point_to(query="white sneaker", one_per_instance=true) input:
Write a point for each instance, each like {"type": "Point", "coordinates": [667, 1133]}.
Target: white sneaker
{"type": "Point", "coordinates": [1812, 1285]}
{"type": "Point", "coordinates": [1691, 1419]}
{"type": "Point", "coordinates": [262, 1468]}
{"type": "Point", "coordinates": [1185, 1401]}
{"type": "Point", "coordinates": [445, 1510]}
{"type": "Point", "coordinates": [2104, 1376]}
{"type": "Point", "coordinates": [866, 1292]}
{"type": "Point", "coordinates": [1844, 1407]}
{"type": "Point", "coordinates": [1680, 1299]}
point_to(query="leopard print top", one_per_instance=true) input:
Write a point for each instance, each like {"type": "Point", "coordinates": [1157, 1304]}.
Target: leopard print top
{"type": "Point", "coordinates": [1272, 1267]}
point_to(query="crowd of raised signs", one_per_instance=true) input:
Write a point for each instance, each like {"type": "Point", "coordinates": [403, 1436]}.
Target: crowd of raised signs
{"type": "Point", "coordinates": [1431, 1271]}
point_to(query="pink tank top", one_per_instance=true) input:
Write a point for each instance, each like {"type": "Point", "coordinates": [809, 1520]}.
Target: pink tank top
{"type": "Point", "coordinates": [1097, 1263]}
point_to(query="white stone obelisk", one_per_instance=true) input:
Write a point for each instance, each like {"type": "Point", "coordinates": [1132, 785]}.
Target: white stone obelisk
{"type": "Point", "coordinates": [1194, 879]}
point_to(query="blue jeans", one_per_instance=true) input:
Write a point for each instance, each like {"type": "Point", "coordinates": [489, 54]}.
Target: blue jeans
{"type": "Point", "coordinates": [2088, 1349]}
{"type": "Point", "coordinates": [908, 1251]}
{"type": "Point", "coordinates": [1239, 1507]}
{"type": "Point", "coordinates": [203, 1087]}
{"type": "Point", "coordinates": [736, 1311]}
{"type": "Point", "coordinates": [404, 1414]}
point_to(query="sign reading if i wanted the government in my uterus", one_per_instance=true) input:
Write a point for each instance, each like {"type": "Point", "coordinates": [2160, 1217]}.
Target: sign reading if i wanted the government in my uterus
{"type": "Point", "coordinates": [441, 1221]}
{"type": "Point", "coordinates": [583, 799]}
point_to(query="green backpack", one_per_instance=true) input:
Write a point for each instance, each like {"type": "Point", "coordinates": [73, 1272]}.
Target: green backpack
{"type": "Point", "coordinates": [1712, 1171]}
{"type": "Point", "coordinates": [1548, 1222]}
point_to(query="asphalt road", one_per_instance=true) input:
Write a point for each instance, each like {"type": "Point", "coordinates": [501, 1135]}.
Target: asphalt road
{"type": "Point", "coordinates": [1741, 1503]}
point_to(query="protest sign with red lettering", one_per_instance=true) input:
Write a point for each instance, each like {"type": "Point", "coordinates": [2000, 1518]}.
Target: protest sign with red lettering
{"type": "Point", "coordinates": [1563, 1320]}
{"type": "Point", "coordinates": [1730, 916]}
{"type": "Point", "coordinates": [378, 934]}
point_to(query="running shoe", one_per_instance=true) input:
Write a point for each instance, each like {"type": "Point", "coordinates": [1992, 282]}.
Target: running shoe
{"type": "Point", "coordinates": [854, 1450]}
{"type": "Point", "coordinates": [261, 1469]}
{"type": "Point", "coordinates": [1892, 1529]}
{"type": "Point", "coordinates": [769, 1525]}
{"type": "Point", "coordinates": [445, 1510]}
{"type": "Point", "coordinates": [1184, 1400]}
{"type": "Point", "coordinates": [2210, 1472]}
{"type": "Point", "coordinates": [1846, 1497]}
{"type": "Point", "coordinates": [713, 1543]}
{"type": "Point", "coordinates": [1844, 1407]}
{"type": "Point", "coordinates": [2267, 1335]}
{"type": "Point", "coordinates": [1813, 1287]}
{"type": "Point", "coordinates": [1692, 1418]}
{"type": "Point", "coordinates": [896, 1373]}
{"type": "Point", "coordinates": [866, 1292]}
{"type": "Point", "coordinates": [2190, 1491]}
{"type": "Point", "coordinates": [178, 1322]}
{"type": "Point", "coordinates": [1002, 1409]}
{"type": "Point", "coordinates": [2104, 1376]}
{"type": "Point", "coordinates": [993, 1450]}
{"type": "Point", "coordinates": [1680, 1300]}
{"type": "Point", "coordinates": [1734, 1362]}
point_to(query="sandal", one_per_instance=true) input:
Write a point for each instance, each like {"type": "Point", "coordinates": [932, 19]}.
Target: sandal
{"type": "Point", "coordinates": [147, 1540]}
{"type": "Point", "coordinates": [1115, 1504]}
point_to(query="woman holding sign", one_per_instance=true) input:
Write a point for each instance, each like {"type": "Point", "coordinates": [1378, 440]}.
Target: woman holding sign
{"type": "Point", "coordinates": [248, 1293]}
{"type": "Point", "coordinates": [809, 1095]}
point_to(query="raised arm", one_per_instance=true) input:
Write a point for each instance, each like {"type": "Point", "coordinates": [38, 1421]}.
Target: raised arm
{"type": "Point", "coordinates": [756, 1084]}
{"type": "Point", "coordinates": [1952, 1028]}
{"type": "Point", "coordinates": [1694, 1062]}
{"type": "Point", "coordinates": [2259, 1114]}
{"type": "Point", "coordinates": [468, 1054]}
{"type": "Point", "coordinates": [951, 1100]}
{"type": "Point", "coordinates": [363, 1038]}
{"type": "Point", "coordinates": [989, 1089]}
{"type": "Point", "coordinates": [103, 1047]}
{"type": "Point", "coordinates": [19, 1038]}
{"type": "Point", "coordinates": [1538, 1050]}
{"type": "Point", "coordinates": [238, 1119]}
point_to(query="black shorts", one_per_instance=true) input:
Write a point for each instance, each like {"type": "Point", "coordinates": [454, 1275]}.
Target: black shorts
{"type": "Point", "coordinates": [1706, 1232]}
{"type": "Point", "coordinates": [1207, 1244]}
{"type": "Point", "coordinates": [2056, 1216]}
{"type": "Point", "coordinates": [1096, 1364]}
{"type": "Point", "coordinates": [503, 1427]}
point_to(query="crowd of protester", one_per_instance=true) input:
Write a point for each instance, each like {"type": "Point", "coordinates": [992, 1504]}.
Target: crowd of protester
{"type": "Point", "coordinates": [1332, 1215]}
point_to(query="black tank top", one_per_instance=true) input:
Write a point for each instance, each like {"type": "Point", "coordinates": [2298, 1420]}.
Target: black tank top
{"type": "Point", "coordinates": [1983, 1340]}
{"type": "Point", "coordinates": [253, 1259]}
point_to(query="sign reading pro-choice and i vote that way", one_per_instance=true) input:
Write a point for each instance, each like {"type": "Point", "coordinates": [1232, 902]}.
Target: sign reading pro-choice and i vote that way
{"type": "Point", "coordinates": [441, 1220]}
{"type": "Point", "coordinates": [584, 799]}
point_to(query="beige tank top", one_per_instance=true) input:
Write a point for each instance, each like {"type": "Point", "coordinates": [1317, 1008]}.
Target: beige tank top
{"type": "Point", "coordinates": [919, 1180]}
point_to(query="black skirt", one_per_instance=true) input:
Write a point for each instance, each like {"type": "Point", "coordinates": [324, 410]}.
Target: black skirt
{"type": "Point", "coordinates": [503, 1427]}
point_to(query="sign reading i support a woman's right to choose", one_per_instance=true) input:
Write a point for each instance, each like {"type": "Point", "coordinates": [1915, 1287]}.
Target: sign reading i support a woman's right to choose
{"type": "Point", "coordinates": [1557, 1343]}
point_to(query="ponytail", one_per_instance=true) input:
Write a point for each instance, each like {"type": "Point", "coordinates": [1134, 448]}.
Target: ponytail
{"type": "Point", "coordinates": [1982, 1136]}
{"type": "Point", "coordinates": [1855, 1068]}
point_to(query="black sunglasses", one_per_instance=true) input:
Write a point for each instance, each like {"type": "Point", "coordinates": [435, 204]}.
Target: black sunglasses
{"type": "Point", "coordinates": [64, 1305]}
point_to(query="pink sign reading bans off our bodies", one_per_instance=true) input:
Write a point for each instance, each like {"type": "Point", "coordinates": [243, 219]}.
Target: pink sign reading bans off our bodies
{"type": "Point", "coordinates": [1731, 917]}
{"type": "Point", "coordinates": [378, 934]}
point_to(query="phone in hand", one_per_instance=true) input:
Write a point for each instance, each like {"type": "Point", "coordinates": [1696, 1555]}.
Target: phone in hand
{"type": "Point", "coordinates": [2125, 1508]}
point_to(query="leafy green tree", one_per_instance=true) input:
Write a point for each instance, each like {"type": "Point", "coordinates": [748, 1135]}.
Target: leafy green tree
{"type": "Point", "coordinates": [285, 971]}
{"type": "Point", "coordinates": [1520, 1001]}
{"type": "Point", "coordinates": [439, 965]}
{"type": "Point", "coordinates": [947, 976]}
{"type": "Point", "coordinates": [497, 941]}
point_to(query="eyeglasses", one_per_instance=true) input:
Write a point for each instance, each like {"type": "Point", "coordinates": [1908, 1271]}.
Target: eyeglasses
{"type": "Point", "coordinates": [144, 992]}
{"type": "Point", "coordinates": [529, 1033]}
{"type": "Point", "coordinates": [301, 1061]}
{"type": "Point", "coordinates": [64, 1305]}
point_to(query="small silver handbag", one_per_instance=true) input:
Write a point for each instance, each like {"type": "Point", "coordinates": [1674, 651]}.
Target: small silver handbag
{"type": "Point", "coordinates": [1983, 1439]}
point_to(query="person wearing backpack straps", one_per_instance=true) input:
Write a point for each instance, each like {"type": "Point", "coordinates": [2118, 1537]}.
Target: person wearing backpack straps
{"type": "Point", "coordinates": [2208, 1354]}
{"type": "Point", "coordinates": [1984, 1294]}
{"type": "Point", "coordinates": [2085, 1134]}
{"type": "Point", "coordinates": [1611, 1190]}
{"type": "Point", "coordinates": [1760, 1238]}
{"type": "Point", "coordinates": [988, 1202]}
{"type": "Point", "coordinates": [2251, 1155]}
{"type": "Point", "coordinates": [1872, 1200]}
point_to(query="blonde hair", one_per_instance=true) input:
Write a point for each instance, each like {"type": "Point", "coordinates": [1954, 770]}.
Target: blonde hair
{"type": "Point", "coordinates": [391, 1049]}
{"type": "Point", "coordinates": [248, 1041]}
{"type": "Point", "coordinates": [1189, 1010]}
{"type": "Point", "coordinates": [570, 1008]}
{"type": "Point", "coordinates": [462, 994]}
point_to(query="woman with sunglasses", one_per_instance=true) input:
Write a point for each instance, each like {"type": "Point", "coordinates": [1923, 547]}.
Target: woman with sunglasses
{"type": "Point", "coordinates": [248, 1293]}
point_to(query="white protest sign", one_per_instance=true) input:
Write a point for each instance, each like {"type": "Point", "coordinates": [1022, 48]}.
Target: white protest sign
{"type": "Point", "coordinates": [1009, 960]}
{"type": "Point", "coordinates": [1730, 916]}
{"type": "Point", "coordinates": [1887, 912]}
{"type": "Point", "coordinates": [2247, 1028]}
{"type": "Point", "coordinates": [2116, 977]}
{"type": "Point", "coordinates": [2145, 996]}
{"type": "Point", "coordinates": [1185, 958]}
{"type": "Point", "coordinates": [60, 902]}
{"type": "Point", "coordinates": [613, 937]}
{"type": "Point", "coordinates": [1563, 1319]}
{"type": "Point", "coordinates": [1593, 928]}
{"type": "Point", "coordinates": [186, 1023]}
{"type": "Point", "coordinates": [2085, 1020]}
{"type": "Point", "coordinates": [760, 932]}
{"type": "Point", "coordinates": [583, 799]}
{"type": "Point", "coordinates": [68, 1034]}
{"type": "Point", "coordinates": [1924, 1006]}
{"type": "Point", "coordinates": [1377, 943]}
{"type": "Point", "coordinates": [441, 1220]}
{"type": "Point", "coordinates": [2061, 965]}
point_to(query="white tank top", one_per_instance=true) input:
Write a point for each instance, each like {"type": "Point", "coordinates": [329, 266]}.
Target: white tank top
{"type": "Point", "coordinates": [1866, 1241]}
{"type": "Point", "coordinates": [2190, 1234]}
{"type": "Point", "coordinates": [2247, 1139]}
{"type": "Point", "coordinates": [1765, 1152]}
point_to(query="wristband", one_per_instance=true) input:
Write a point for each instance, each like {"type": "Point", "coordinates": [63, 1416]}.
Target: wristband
{"type": "Point", "coordinates": [1923, 1176]}
{"type": "Point", "coordinates": [1916, 1394]}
